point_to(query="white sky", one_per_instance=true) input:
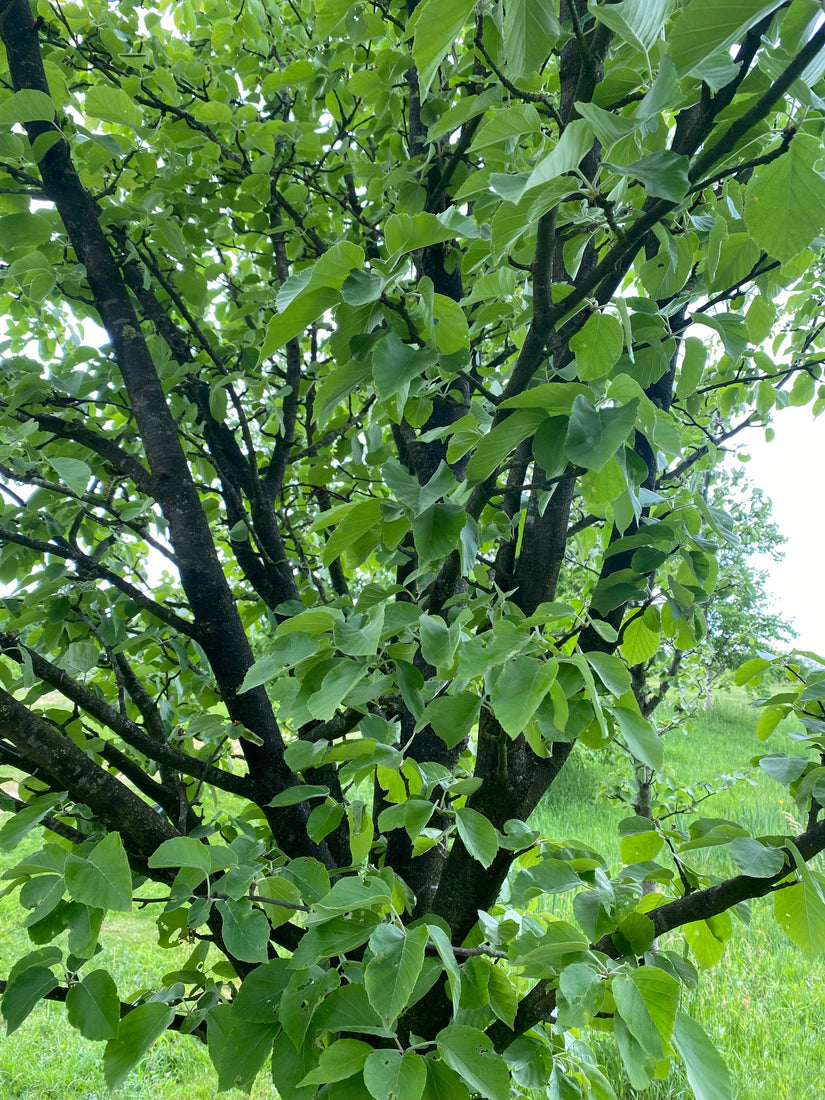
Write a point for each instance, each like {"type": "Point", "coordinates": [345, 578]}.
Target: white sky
{"type": "Point", "coordinates": [791, 470]}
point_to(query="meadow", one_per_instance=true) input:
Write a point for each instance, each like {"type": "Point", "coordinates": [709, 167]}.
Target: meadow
{"type": "Point", "coordinates": [764, 1003]}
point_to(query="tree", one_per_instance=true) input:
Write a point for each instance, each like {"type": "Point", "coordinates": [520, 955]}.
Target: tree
{"type": "Point", "coordinates": [342, 341]}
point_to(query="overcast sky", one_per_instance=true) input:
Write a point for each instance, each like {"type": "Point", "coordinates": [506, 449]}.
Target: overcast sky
{"type": "Point", "coordinates": [791, 471]}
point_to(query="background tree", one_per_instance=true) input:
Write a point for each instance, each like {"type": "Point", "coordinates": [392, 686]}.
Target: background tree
{"type": "Point", "coordinates": [404, 313]}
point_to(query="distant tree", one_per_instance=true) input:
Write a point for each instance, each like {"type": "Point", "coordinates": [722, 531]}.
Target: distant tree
{"type": "Point", "coordinates": [347, 449]}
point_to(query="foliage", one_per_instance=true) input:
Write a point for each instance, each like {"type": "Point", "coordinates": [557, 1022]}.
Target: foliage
{"type": "Point", "coordinates": [741, 619]}
{"type": "Point", "coordinates": [421, 325]}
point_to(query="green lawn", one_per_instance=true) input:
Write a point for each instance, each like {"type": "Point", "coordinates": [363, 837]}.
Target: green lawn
{"type": "Point", "coordinates": [764, 1003]}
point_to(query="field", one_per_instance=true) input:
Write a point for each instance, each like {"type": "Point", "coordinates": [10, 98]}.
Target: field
{"type": "Point", "coordinates": [764, 1003]}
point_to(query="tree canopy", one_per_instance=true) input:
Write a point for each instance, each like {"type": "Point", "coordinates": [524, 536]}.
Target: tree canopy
{"type": "Point", "coordinates": [364, 362]}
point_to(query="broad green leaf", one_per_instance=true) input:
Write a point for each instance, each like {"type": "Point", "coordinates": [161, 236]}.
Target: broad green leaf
{"type": "Point", "coordinates": [530, 32]}
{"type": "Point", "coordinates": [785, 200]}
{"type": "Point", "coordinates": [342, 1059]}
{"type": "Point", "coordinates": [138, 1030]}
{"type": "Point", "coordinates": [23, 821]}
{"type": "Point", "coordinates": [111, 104]}
{"type": "Point", "coordinates": [640, 737]}
{"type": "Point", "coordinates": [567, 153]}
{"type": "Point", "coordinates": [519, 690]}
{"type": "Point", "coordinates": [359, 519]}
{"type": "Point", "coordinates": [412, 814]}
{"type": "Point", "coordinates": [23, 992]}
{"type": "Point", "coordinates": [392, 972]}
{"type": "Point", "coordinates": [756, 859]}
{"type": "Point", "coordinates": [707, 1074]}
{"type": "Point", "coordinates": [611, 671]}
{"type": "Point", "coordinates": [705, 27]}
{"type": "Point", "coordinates": [245, 930]}
{"type": "Point", "coordinates": [29, 231]}
{"type": "Point", "coordinates": [639, 642]}
{"type": "Point", "coordinates": [27, 105]}
{"type": "Point", "coordinates": [597, 346]}
{"type": "Point", "coordinates": [102, 878]}
{"type": "Point", "coordinates": [640, 22]}
{"type": "Point", "coordinates": [330, 270]}
{"type": "Point", "coordinates": [75, 473]}
{"type": "Point", "coordinates": [452, 716]}
{"type": "Point", "coordinates": [438, 643]}
{"type": "Point", "coordinates": [186, 851]}
{"type": "Point", "coordinates": [436, 25]}
{"type": "Point", "coordinates": [391, 1075]}
{"type": "Point", "coordinates": [285, 652]}
{"type": "Point", "coordinates": [664, 174]}
{"type": "Point", "coordinates": [395, 364]}
{"type": "Point", "coordinates": [800, 913]}
{"type": "Point", "coordinates": [470, 1053]}
{"type": "Point", "coordinates": [494, 447]}
{"type": "Point", "coordinates": [631, 1006]}
{"type": "Point", "coordinates": [595, 435]}
{"type": "Point", "coordinates": [292, 796]}
{"type": "Point", "coordinates": [93, 1006]}
{"type": "Point", "coordinates": [451, 330]}
{"type": "Point", "coordinates": [443, 1083]}
{"type": "Point", "coordinates": [336, 685]}
{"type": "Point", "coordinates": [437, 530]}
{"type": "Point", "coordinates": [477, 835]}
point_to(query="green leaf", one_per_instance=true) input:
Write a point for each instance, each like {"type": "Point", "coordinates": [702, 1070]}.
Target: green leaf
{"type": "Point", "coordinates": [391, 1075]}
{"type": "Point", "coordinates": [336, 684]}
{"type": "Point", "coordinates": [300, 793]}
{"type": "Point", "coordinates": [72, 471]}
{"type": "Point", "coordinates": [597, 346]}
{"type": "Point", "coordinates": [357, 521]}
{"type": "Point", "coordinates": [756, 859]}
{"type": "Point", "coordinates": [23, 992]}
{"type": "Point", "coordinates": [595, 435]}
{"type": "Point", "coordinates": [437, 530]}
{"type": "Point", "coordinates": [443, 1083]}
{"type": "Point", "coordinates": [284, 652]}
{"type": "Point", "coordinates": [611, 671]}
{"type": "Point", "coordinates": [785, 201]}
{"type": "Point", "coordinates": [567, 153]}
{"type": "Point", "coordinates": [27, 105]}
{"type": "Point", "coordinates": [93, 1006]}
{"type": "Point", "coordinates": [111, 104]}
{"type": "Point", "coordinates": [639, 642]}
{"type": "Point", "coordinates": [436, 25]}
{"type": "Point", "coordinates": [139, 1029]}
{"type": "Point", "coordinates": [800, 913]}
{"type": "Point", "coordinates": [707, 1074]}
{"type": "Point", "coordinates": [29, 231]}
{"type": "Point", "coordinates": [631, 1006]}
{"type": "Point", "coordinates": [452, 716]}
{"type": "Point", "coordinates": [494, 447]}
{"type": "Point", "coordinates": [102, 878]}
{"type": "Point", "coordinates": [342, 1059]}
{"type": "Point", "coordinates": [519, 690]}
{"type": "Point", "coordinates": [477, 835]}
{"type": "Point", "coordinates": [530, 32]}
{"type": "Point", "coordinates": [245, 930]}
{"type": "Point", "coordinates": [470, 1053]}
{"type": "Point", "coordinates": [638, 21]}
{"type": "Point", "coordinates": [23, 821]}
{"type": "Point", "coordinates": [706, 27]}
{"type": "Point", "coordinates": [396, 364]}
{"type": "Point", "coordinates": [640, 737]}
{"type": "Point", "coordinates": [452, 332]}
{"type": "Point", "coordinates": [392, 972]}
{"type": "Point", "coordinates": [664, 174]}
{"type": "Point", "coordinates": [186, 851]}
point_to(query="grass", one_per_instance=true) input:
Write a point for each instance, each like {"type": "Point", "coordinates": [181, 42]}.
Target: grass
{"type": "Point", "coordinates": [764, 1003]}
